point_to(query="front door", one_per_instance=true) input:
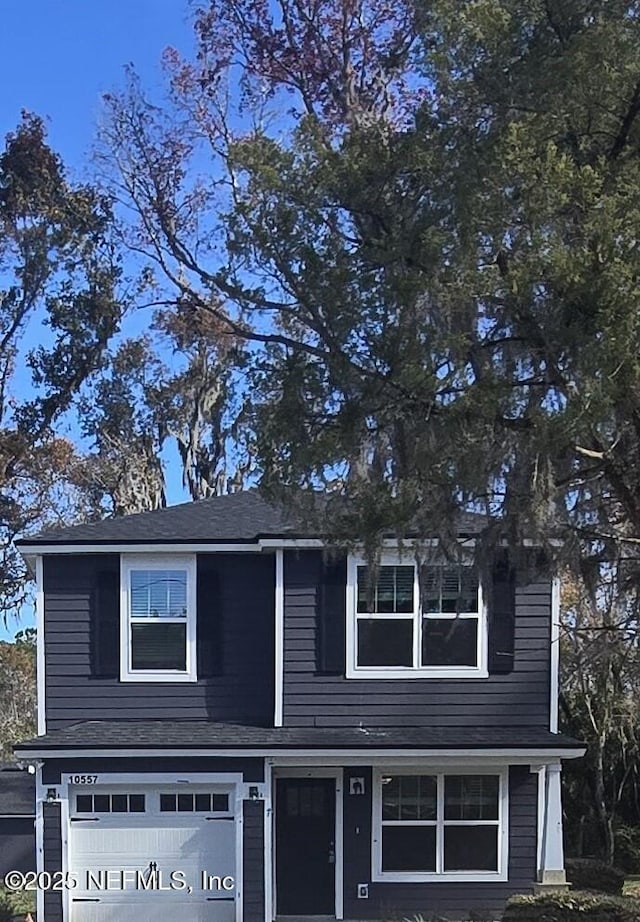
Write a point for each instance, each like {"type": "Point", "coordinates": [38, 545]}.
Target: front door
{"type": "Point", "coordinates": [305, 846]}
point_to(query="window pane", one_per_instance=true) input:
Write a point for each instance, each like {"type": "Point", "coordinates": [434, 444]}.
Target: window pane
{"type": "Point", "coordinates": [409, 797]}
{"type": "Point", "coordinates": [471, 797]}
{"type": "Point", "coordinates": [385, 643]}
{"type": "Point", "coordinates": [102, 803]}
{"type": "Point", "coordinates": [167, 803]}
{"type": "Point", "coordinates": [185, 803]}
{"type": "Point", "coordinates": [119, 803]}
{"type": "Point", "coordinates": [449, 641]}
{"type": "Point", "coordinates": [392, 594]}
{"type": "Point", "coordinates": [136, 803]}
{"type": "Point", "coordinates": [84, 803]}
{"type": "Point", "coordinates": [158, 593]}
{"type": "Point", "coordinates": [203, 803]}
{"type": "Point", "coordinates": [159, 646]}
{"type": "Point", "coordinates": [220, 801]}
{"type": "Point", "coordinates": [449, 589]}
{"type": "Point", "coordinates": [408, 848]}
{"type": "Point", "coordinates": [471, 848]}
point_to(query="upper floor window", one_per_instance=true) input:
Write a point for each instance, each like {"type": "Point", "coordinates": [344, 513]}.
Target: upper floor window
{"type": "Point", "coordinates": [158, 618]}
{"type": "Point", "coordinates": [405, 623]}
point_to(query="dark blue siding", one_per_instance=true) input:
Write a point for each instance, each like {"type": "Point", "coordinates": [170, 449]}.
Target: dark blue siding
{"type": "Point", "coordinates": [457, 900]}
{"type": "Point", "coordinates": [251, 769]}
{"type": "Point", "coordinates": [519, 698]}
{"type": "Point", "coordinates": [52, 859]}
{"type": "Point", "coordinates": [253, 862]}
{"type": "Point", "coordinates": [17, 844]}
{"type": "Point", "coordinates": [243, 692]}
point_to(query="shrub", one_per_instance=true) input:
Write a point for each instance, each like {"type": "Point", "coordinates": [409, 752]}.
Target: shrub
{"type": "Point", "coordinates": [6, 909]}
{"type": "Point", "coordinates": [588, 874]}
{"type": "Point", "coordinates": [628, 848]}
{"type": "Point", "coordinates": [572, 907]}
{"type": "Point", "coordinates": [16, 905]}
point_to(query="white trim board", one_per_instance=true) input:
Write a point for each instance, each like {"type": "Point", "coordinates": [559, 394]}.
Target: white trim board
{"type": "Point", "coordinates": [554, 690]}
{"type": "Point", "coordinates": [321, 756]}
{"type": "Point", "coordinates": [40, 657]}
{"type": "Point", "coordinates": [278, 694]}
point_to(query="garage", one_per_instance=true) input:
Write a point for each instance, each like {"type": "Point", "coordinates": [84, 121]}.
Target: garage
{"type": "Point", "coordinates": [136, 852]}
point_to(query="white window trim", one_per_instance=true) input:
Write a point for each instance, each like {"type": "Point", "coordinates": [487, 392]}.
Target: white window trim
{"type": "Point", "coordinates": [502, 874]}
{"type": "Point", "coordinates": [129, 562]}
{"type": "Point", "coordinates": [353, 671]}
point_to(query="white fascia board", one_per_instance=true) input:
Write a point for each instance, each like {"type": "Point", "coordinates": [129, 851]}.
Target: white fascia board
{"type": "Point", "coordinates": [200, 547]}
{"type": "Point", "coordinates": [325, 756]}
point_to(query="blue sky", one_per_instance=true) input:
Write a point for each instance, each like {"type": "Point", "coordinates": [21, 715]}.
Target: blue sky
{"type": "Point", "coordinates": [59, 57]}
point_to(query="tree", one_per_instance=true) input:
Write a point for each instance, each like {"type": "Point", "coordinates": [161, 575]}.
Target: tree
{"type": "Point", "coordinates": [58, 268]}
{"type": "Point", "coordinates": [17, 692]}
{"type": "Point", "coordinates": [426, 221]}
{"type": "Point", "coordinates": [172, 387]}
{"type": "Point", "coordinates": [600, 675]}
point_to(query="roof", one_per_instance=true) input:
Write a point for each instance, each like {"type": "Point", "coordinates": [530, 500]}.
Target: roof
{"type": "Point", "coordinates": [195, 734]}
{"type": "Point", "coordinates": [17, 791]}
{"type": "Point", "coordinates": [244, 517]}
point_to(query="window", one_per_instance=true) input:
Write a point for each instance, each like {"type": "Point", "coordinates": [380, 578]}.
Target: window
{"type": "Point", "coordinates": [110, 803]}
{"type": "Point", "coordinates": [406, 623]}
{"type": "Point", "coordinates": [194, 803]}
{"type": "Point", "coordinates": [440, 826]}
{"type": "Point", "coordinates": [158, 618]}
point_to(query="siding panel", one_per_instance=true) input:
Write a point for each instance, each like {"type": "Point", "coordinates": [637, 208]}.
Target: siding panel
{"type": "Point", "coordinates": [519, 698]}
{"type": "Point", "coordinates": [52, 859]}
{"type": "Point", "coordinates": [253, 862]}
{"type": "Point", "coordinates": [243, 692]}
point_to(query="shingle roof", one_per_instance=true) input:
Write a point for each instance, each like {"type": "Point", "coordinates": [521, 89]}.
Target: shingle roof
{"type": "Point", "coordinates": [238, 517]}
{"type": "Point", "coordinates": [17, 792]}
{"type": "Point", "coordinates": [195, 734]}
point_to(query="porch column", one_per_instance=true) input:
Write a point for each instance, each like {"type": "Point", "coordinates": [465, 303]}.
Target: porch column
{"type": "Point", "coordinates": [551, 875]}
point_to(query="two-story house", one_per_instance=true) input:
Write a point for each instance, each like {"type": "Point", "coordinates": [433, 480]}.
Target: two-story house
{"type": "Point", "coordinates": [239, 724]}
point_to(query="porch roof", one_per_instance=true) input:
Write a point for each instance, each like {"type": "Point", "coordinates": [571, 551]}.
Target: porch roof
{"type": "Point", "coordinates": [188, 735]}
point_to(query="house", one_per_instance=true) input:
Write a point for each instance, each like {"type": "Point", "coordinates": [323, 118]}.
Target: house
{"type": "Point", "coordinates": [237, 725]}
{"type": "Point", "coordinates": [17, 818]}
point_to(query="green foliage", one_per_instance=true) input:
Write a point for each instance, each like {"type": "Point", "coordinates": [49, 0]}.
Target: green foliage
{"type": "Point", "coordinates": [14, 906]}
{"type": "Point", "coordinates": [571, 907]}
{"type": "Point", "coordinates": [59, 270]}
{"type": "Point", "coordinates": [627, 848]}
{"type": "Point", "coordinates": [18, 695]}
{"type": "Point", "coordinates": [588, 874]}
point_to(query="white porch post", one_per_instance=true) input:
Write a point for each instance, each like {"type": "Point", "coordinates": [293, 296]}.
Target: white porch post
{"type": "Point", "coordinates": [551, 874]}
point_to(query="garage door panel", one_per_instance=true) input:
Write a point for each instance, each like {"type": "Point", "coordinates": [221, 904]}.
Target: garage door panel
{"type": "Point", "coordinates": [207, 846]}
{"type": "Point", "coordinates": [110, 853]}
{"type": "Point", "coordinates": [218, 911]}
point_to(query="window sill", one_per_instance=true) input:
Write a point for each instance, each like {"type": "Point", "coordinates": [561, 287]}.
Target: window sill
{"type": "Point", "coordinates": [408, 672]}
{"type": "Point", "coordinates": [419, 877]}
{"type": "Point", "coordinates": [169, 677]}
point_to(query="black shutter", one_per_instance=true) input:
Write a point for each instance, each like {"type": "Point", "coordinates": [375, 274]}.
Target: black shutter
{"type": "Point", "coordinates": [331, 617]}
{"type": "Point", "coordinates": [209, 621]}
{"type": "Point", "coordinates": [502, 615]}
{"type": "Point", "coordinates": [105, 625]}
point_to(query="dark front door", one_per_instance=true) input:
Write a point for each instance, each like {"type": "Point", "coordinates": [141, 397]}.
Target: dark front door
{"type": "Point", "coordinates": [305, 846]}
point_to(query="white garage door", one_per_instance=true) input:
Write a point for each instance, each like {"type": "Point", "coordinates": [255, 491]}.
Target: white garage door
{"type": "Point", "coordinates": [137, 852]}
